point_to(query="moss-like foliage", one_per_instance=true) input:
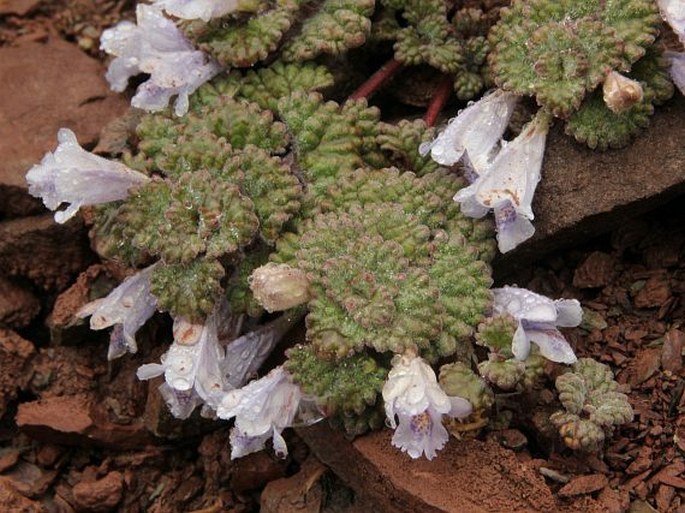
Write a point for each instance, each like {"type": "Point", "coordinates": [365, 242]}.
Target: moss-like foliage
{"type": "Point", "coordinates": [560, 50]}
{"type": "Point", "coordinates": [592, 406]}
{"type": "Point", "coordinates": [401, 141]}
{"type": "Point", "coordinates": [188, 290]}
{"type": "Point", "coordinates": [501, 368]}
{"type": "Point", "coordinates": [195, 215]}
{"type": "Point", "coordinates": [456, 47]}
{"type": "Point", "coordinates": [379, 281]}
{"type": "Point", "coordinates": [457, 379]}
{"type": "Point", "coordinates": [600, 128]}
{"type": "Point", "coordinates": [429, 38]}
{"type": "Point", "coordinates": [327, 141]}
{"type": "Point", "coordinates": [266, 85]}
{"type": "Point", "coordinates": [240, 42]}
{"type": "Point", "coordinates": [349, 386]}
{"type": "Point", "coordinates": [173, 146]}
{"type": "Point", "coordinates": [335, 27]}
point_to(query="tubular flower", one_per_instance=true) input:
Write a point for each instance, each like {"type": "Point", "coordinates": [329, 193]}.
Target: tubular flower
{"type": "Point", "coordinates": [191, 366]}
{"type": "Point", "coordinates": [129, 305]}
{"type": "Point", "coordinates": [538, 318]}
{"type": "Point", "coordinates": [508, 185]}
{"type": "Point", "coordinates": [262, 410]}
{"type": "Point", "coordinates": [474, 133]}
{"type": "Point", "coordinates": [673, 12]}
{"type": "Point", "coordinates": [198, 9]}
{"type": "Point", "coordinates": [155, 46]}
{"type": "Point", "coordinates": [412, 395]}
{"type": "Point", "coordinates": [677, 69]}
{"type": "Point", "coordinates": [73, 175]}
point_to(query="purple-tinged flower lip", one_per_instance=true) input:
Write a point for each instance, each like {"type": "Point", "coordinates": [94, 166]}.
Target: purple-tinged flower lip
{"type": "Point", "coordinates": [155, 45]}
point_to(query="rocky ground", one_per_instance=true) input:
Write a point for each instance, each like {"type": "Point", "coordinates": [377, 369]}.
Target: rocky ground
{"type": "Point", "coordinates": [79, 433]}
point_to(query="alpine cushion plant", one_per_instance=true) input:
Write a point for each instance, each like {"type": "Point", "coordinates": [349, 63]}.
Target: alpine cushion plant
{"type": "Point", "coordinates": [256, 194]}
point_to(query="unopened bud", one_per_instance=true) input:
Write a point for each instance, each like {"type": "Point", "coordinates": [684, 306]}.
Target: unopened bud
{"type": "Point", "coordinates": [279, 287]}
{"type": "Point", "coordinates": [621, 93]}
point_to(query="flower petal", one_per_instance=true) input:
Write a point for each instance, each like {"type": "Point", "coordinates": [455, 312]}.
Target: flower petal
{"type": "Point", "coordinates": [512, 228]}
{"type": "Point", "coordinates": [553, 345]}
{"type": "Point", "coordinates": [476, 130]}
{"type": "Point", "coordinates": [420, 434]}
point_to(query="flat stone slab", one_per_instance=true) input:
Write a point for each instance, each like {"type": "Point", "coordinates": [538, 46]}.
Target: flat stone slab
{"type": "Point", "coordinates": [584, 193]}
{"type": "Point", "coordinates": [46, 87]}
{"type": "Point", "coordinates": [467, 476]}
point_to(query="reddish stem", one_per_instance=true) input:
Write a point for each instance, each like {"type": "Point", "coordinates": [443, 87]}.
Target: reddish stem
{"type": "Point", "coordinates": [442, 94]}
{"type": "Point", "coordinates": [376, 80]}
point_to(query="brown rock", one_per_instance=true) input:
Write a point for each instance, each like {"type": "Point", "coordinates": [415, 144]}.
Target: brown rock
{"type": "Point", "coordinates": [671, 352]}
{"type": "Point", "coordinates": [38, 98]}
{"type": "Point", "coordinates": [70, 420]}
{"type": "Point", "coordinates": [254, 471]}
{"type": "Point", "coordinates": [15, 354]}
{"type": "Point", "coordinates": [12, 500]}
{"type": "Point", "coordinates": [582, 485]}
{"type": "Point", "coordinates": [655, 292]}
{"type": "Point", "coordinates": [55, 418]}
{"type": "Point", "coordinates": [584, 193]}
{"type": "Point", "coordinates": [20, 7]}
{"type": "Point", "coordinates": [18, 305]}
{"type": "Point", "coordinates": [664, 496]}
{"type": "Point", "coordinates": [47, 253]}
{"type": "Point", "coordinates": [613, 501]}
{"type": "Point", "coordinates": [301, 493]}
{"type": "Point", "coordinates": [8, 458]}
{"type": "Point", "coordinates": [468, 476]}
{"type": "Point", "coordinates": [645, 363]}
{"type": "Point", "coordinates": [101, 495]}
{"type": "Point", "coordinates": [642, 462]}
{"type": "Point", "coordinates": [597, 270]}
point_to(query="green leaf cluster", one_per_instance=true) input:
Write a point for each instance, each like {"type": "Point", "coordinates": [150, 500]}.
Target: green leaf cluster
{"type": "Point", "coordinates": [592, 406]}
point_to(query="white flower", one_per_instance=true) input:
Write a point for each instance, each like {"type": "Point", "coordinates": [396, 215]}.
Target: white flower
{"type": "Point", "coordinates": [538, 317]}
{"type": "Point", "coordinates": [192, 365]}
{"type": "Point", "coordinates": [155, 46]}
{"type": "Point", "coordinates": [73, 175]}
{"type": "Point", "coordinates": [412, 394]}
{"type": "Point", "coordinates": [262, 410]}
{"type": "Point", "coordinates": [246, 354]}
{"type": "Point", "coordinates": [474, 133]}
{"type": "Point", "coordinates": [130, 305]}
{"type": "Point", "coordinates": [198, 9]}
{"type": "Point", "coordinates": [673, 12]}
{"type": "Point", "coordinates": [677, 69]}
{"type": "Point", "coordinates": [508, 185]}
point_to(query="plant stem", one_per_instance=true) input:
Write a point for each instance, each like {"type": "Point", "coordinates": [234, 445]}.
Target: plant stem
{"type": "Point", "coordinates": [442, 94]}
{"type": "Point", "coordinates": [376, 80]}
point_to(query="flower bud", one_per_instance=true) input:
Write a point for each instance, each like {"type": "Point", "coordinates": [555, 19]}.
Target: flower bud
{"type": "Point", "coordinates": [279, 287]}
{"type": "Point", "coordinates": [621, 93]}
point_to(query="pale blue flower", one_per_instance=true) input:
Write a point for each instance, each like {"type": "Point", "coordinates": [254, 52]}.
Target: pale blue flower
{"type": "Point", "coordinates": [262, 410]}
{"type": "Point", "coordinates": [474, 134]}
{"type": "Point", "coordinates": [415, 404]}
{"type": "Point", "coordinates": [155, 46]}
{"type": "Point", "coordinates": [538, 318]}
{"type": "Point", "coordinates": [508, 184]}
{"type": "Point", "coordinates": [192, 366]}
{"type": "Point", "coordinates": [129, 306]}
{"type": "Point", "coordinates": [73, 175]}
